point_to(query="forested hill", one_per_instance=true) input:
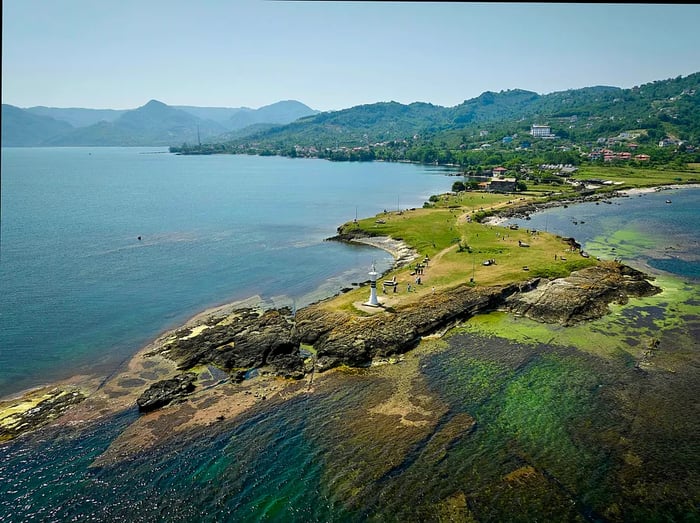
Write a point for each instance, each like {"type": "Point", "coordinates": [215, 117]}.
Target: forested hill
{"type": "Point", "coordinates": [665, 108]}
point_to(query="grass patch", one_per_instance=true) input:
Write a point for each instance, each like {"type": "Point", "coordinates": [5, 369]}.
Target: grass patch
{"type": "Point", "coordinates": [640, 177]}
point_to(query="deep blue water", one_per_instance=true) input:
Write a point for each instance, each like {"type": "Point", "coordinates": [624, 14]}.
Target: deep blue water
{"type": "Point", "coordinates": [79, 292]}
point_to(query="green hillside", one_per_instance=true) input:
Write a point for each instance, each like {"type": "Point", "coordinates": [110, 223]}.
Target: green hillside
{"type": "Point", "coordinates": [499, 122]}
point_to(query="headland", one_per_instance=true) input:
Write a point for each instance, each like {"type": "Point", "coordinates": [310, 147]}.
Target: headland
{"type": "Point", "coordinates": [451, 263]}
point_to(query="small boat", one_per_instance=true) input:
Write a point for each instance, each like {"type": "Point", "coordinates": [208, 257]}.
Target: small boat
{"type": "Point", "coordinates": [668, 201]}
{"type": "Point", "coordinates": [585, 254]}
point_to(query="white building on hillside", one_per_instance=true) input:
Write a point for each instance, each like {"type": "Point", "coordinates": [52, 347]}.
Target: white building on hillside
{"type": "Point", "coordinates": [540, 131]}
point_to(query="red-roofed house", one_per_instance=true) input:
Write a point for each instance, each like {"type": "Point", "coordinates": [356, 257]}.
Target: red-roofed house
{"type": "Point", "coordinates": [499, 171]}
{"type": "Point", "coordinates": [642, 157]}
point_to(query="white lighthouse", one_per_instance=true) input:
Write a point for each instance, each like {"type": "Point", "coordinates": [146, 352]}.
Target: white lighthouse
{"type": "Point", "coordinates": [373, 301]}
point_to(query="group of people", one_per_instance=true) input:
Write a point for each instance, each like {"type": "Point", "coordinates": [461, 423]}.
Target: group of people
{"type": "Point", "coordinates": [417, 272]}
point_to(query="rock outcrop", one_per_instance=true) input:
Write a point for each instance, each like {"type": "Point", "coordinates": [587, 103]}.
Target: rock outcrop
{"type": "Point", "coordinates": [581, 296]}
{"type": "Point", "coordinates": [35, 410]}
{"type": "Point", "coordinates": [163, 392]}
{"type": "Point", "coordinates": [342, 338]}
{"type": "Point", "coordinates": [251, 338]}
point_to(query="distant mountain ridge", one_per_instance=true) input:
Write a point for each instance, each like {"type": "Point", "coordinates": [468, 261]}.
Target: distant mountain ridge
{"type": "Point", "coordinates": [660, 108]}
{"type": "Point", "coordinates": [152, 124]}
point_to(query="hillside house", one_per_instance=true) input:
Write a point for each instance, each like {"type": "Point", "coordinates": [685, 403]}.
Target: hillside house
{"type": "Point", "coordinates": [498, 171]}
{"type": "Point", "coordinates": [642, 157]}
{"type": "Point", "coordinates": [669, 142]}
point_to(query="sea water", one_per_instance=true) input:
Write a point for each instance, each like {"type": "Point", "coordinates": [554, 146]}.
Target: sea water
{"type": "Point", "coordinates": [104, 248]}
{"type": "Point", "coordinates": [558, 435]}
{"type": "Point", "coordinates": [653, 230]}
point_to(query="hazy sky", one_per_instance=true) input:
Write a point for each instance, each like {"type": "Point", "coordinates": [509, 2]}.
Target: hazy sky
{"type": "Point", "coordinates": [330, 55]}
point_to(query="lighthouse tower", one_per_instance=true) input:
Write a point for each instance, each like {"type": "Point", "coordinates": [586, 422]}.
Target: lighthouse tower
{"type": "Point", "coordinates": [373, 301]}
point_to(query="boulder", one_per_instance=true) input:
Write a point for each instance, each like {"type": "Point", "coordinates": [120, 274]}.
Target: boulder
{"type": "Point", "coordinates": [164, 392]}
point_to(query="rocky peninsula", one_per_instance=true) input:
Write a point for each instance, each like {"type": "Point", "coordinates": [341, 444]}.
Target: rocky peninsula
{"type": "Point", "coordinates": [225, 347]}
{"type": "Point", "coordinates": [229, 345]}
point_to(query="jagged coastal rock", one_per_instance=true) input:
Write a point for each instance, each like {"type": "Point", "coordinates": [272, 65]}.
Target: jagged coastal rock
{"type": "Point", "coordinates": [249, 338]}
{"type": "Point", "coordinates": [342, 338]}
{"type": "Point", "coordinates": [36, 409]}
{"type": "Point", "coordinates": [253, 338]}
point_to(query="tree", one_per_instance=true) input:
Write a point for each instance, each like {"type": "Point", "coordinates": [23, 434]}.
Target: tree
{"type": "Point", "coordinates": [458, 187]}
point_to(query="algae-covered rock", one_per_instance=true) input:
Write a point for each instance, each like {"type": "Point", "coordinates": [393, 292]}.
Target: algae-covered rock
{"type": "Point", "coordinates": [252, 338]}
{"type": "Point", "coordinates": [36, 409]}
{"type": "Point", "coordinates": [583, 295]}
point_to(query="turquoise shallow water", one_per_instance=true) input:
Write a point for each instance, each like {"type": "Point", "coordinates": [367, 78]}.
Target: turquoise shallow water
{"type": "Point", "coordinates": [80, 292]}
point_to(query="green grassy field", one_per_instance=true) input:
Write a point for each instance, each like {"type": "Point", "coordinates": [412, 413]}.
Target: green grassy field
{"type": "Point", "coordinates": [457, 247]}
{"type": "Point", "coordinates": [448, 232]}
{"type": "Point", "coordinates": [641, 177]}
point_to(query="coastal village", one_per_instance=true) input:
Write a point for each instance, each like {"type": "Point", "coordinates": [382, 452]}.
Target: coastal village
{"type": "Point", "coordinates": [620, 150]}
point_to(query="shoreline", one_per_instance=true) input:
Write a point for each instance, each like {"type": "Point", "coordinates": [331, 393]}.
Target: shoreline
{"type": "Point", "coordinates": [501, 216]}
{"type": "Point", "coordinates": [119, 389]}
{"type": "Point", "coordinates": [402, 253]}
